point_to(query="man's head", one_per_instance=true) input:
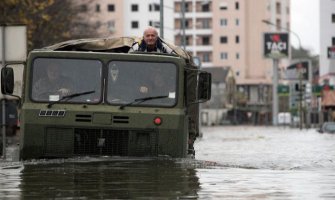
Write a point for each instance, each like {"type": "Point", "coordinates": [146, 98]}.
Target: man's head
{"type": "Point", "coordinates": [53, 71]}
{"type": "Point", "coordinates": [150, 36]}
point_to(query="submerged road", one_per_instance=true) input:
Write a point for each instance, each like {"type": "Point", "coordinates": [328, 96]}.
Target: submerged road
{"type": "Point", "coordinates": [231, 163]}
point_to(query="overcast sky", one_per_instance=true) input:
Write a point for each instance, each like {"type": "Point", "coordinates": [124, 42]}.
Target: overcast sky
{"type": "Point", "coordinates": [305, 22]}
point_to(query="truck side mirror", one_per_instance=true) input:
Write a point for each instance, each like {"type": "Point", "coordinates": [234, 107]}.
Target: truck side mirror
{"type": "Point", "coordinates": [7, 80]}
{"type": "Point", "coordinates": [204, 86]}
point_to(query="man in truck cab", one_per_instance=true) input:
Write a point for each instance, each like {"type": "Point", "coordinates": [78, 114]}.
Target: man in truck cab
{"type": "Point", "coordinates": [52, 85]}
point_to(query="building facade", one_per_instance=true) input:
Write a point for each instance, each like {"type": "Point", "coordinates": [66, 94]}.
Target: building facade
{"type": "Point", "coordinates": [229, 33]}
{"type": "Point", "coordinates": [114, 18]}
{"type": "Point", "coordinates": [327, 39]}
{"type": "Point", "coordinates": [106, 16]}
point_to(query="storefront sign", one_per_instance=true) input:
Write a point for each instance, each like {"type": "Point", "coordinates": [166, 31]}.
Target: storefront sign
{"type": "Point", "coordinates": [276, 45]}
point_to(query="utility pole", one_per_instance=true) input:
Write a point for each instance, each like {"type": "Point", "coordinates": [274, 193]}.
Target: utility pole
{"type": "Point", "coordinates": [161, 19]}
{"type": "Point", "coordinates": [274, 93]}
{"type": "Point", "coordinates": [300, 97]}
{"type": "Point", "coordinates": [300, 75]}
{"type": "Point", "coordinates": [183, 39]}
{"type": "Point", "coordinates": [13, 49]}
{"type": "Point", "coordinates": [3, 122]}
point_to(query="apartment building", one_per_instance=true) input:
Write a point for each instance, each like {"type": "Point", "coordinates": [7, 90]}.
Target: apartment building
{"type": "Point", "coordinates": [327, 39]}
{"type": "Point", "coordinates": [137, 15]}
{"type": "Point", "coordinates": [117, 18]}
{"type": "Point", "coordinates": [229, 33]}
{"type": "Point", "coordinates": [105, 16]}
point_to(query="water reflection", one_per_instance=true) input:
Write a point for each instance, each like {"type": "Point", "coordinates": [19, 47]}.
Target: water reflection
{"type": "Point", "coordinates": [153, 179]}
{"type": "Point", "coordinates": [10, 181]}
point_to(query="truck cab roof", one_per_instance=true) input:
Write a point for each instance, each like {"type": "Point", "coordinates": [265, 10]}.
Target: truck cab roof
{"type": "Point", "coordinates": [113, 45]}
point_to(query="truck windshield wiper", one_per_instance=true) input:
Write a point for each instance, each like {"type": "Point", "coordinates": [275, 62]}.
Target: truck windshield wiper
{"type": "Point", "coordinates": [140, 100]}
{"type": "Point", "coordinates": [68, 97]}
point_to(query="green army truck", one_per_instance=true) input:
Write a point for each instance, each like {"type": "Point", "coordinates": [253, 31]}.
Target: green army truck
{"type": "Point", "coordinates": [109, 102]}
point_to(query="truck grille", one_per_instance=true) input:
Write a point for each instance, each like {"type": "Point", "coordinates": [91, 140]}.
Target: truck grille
{"type": "Point", "coordinates": [101, 142]}
{"type": "Point", "coordinates": [66, 142]}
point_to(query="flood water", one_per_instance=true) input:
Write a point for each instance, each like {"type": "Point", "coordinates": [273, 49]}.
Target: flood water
{"type": "Point", "coordinates": [231, 163]}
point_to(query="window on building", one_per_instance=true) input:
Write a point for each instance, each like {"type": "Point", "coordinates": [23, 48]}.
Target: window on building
{"type": "Point", "coordinates": [333, 18]}
{"type": "Point", "coordinates": [97, 8]}
{"type": "Point", "coordinates": [83, 8]}
{"type": "Point", "coordinates": [111, 7]}
{"type": "Point", "coordinates": [223, 6]}
{"type": "Point", "coordinates": [154, 7]}
{"type": "Point", "coordinates": [188, 40]}
{"type": "Point", "coordinates": [187, 24]}
{"type": "Point", "coordinates": [205, 40]}
{"type": "Point", "coordinates": [237, 5]}
{"type": "Point", "coordinates": [237, 39]}
{"type": "Point", "coordinates": [206, 57]}
{"type": "Point", "coordinates": [223, 39]}
{"type": "Point", "coordinates": [187, 7]}
{"type": "Point", "coordinates": [206, 23]}
{"type": "Point", "coordinates": [134, 24]}
{"type": "Point", "coordinates": [237, 56]}
{"type": "Point", "coordinates": [223, 22]}
{"type": "Point", "coordinates": [205, 7]}
{"type": "Point", "coordinates": [157, 7]}
{"type": "Point", "coordinates": [333, 41]}
{"type": "Point", "coordinates": [237, 22]}
{"type": "Point", "coordinates": [278, 8]}
{"type": "Point", "coordinates": [278, 24]}
{"type": "Point", "coordinates": [134, 7]}
{"type": "Point", "coordinates": [111, 25]}
{"type": "Point", "coordinates": [224, 55]}
{"type": "Point", "coordinates": [156, 24]}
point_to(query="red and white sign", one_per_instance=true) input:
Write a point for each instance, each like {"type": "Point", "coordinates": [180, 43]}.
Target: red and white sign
{"type": "Point", "coordinates": [331, 52]}
{"type": "Point", "coordinates": [276, 45]}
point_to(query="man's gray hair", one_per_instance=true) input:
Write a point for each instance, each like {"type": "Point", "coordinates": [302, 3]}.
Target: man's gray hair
{"type": "Point", "coordinates": [150, 28]}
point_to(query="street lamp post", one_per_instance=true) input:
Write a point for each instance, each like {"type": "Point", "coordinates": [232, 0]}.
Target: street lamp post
{"type": "Point", "coordinates": [285, 29]}
{"type": "Point", "coordinates": [300, 70]}
{"type": "Point", "coordinates": [274, 93]}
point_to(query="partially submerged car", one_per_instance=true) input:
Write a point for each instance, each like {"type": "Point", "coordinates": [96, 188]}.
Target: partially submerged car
{"type": "Point", "coordinates": [327, 127]}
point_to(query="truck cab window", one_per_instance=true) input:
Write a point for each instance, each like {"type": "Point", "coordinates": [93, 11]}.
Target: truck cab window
{"type": "Point", "coordinates": [52, 79]}
{"type": "Point", "coordinates": [128, 81]}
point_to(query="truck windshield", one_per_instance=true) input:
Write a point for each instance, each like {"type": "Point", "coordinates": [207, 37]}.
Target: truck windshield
{"type": "Point", "coordinates": [52, 79]}
{"type": "Point", "coordinates": [128, 81]}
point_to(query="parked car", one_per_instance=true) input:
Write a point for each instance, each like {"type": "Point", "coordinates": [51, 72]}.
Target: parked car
{"type": "Point", "coordinates": [327, 127]}
{"type": "Point", "coordinates": [284, 118]}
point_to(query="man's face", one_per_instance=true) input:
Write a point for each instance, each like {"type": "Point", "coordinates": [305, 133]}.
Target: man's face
{"type": "Point", "coordinates": [150, 37]}
{"type": "Point", "coordinates": [53, 72]}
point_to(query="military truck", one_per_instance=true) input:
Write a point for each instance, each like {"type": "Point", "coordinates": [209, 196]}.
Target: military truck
{"type": "Point", "coordinates": [109, 102]}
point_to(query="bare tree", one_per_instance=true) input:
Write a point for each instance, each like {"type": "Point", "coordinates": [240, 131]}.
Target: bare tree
{"type": "Point", "coordinates": [48, 21]}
